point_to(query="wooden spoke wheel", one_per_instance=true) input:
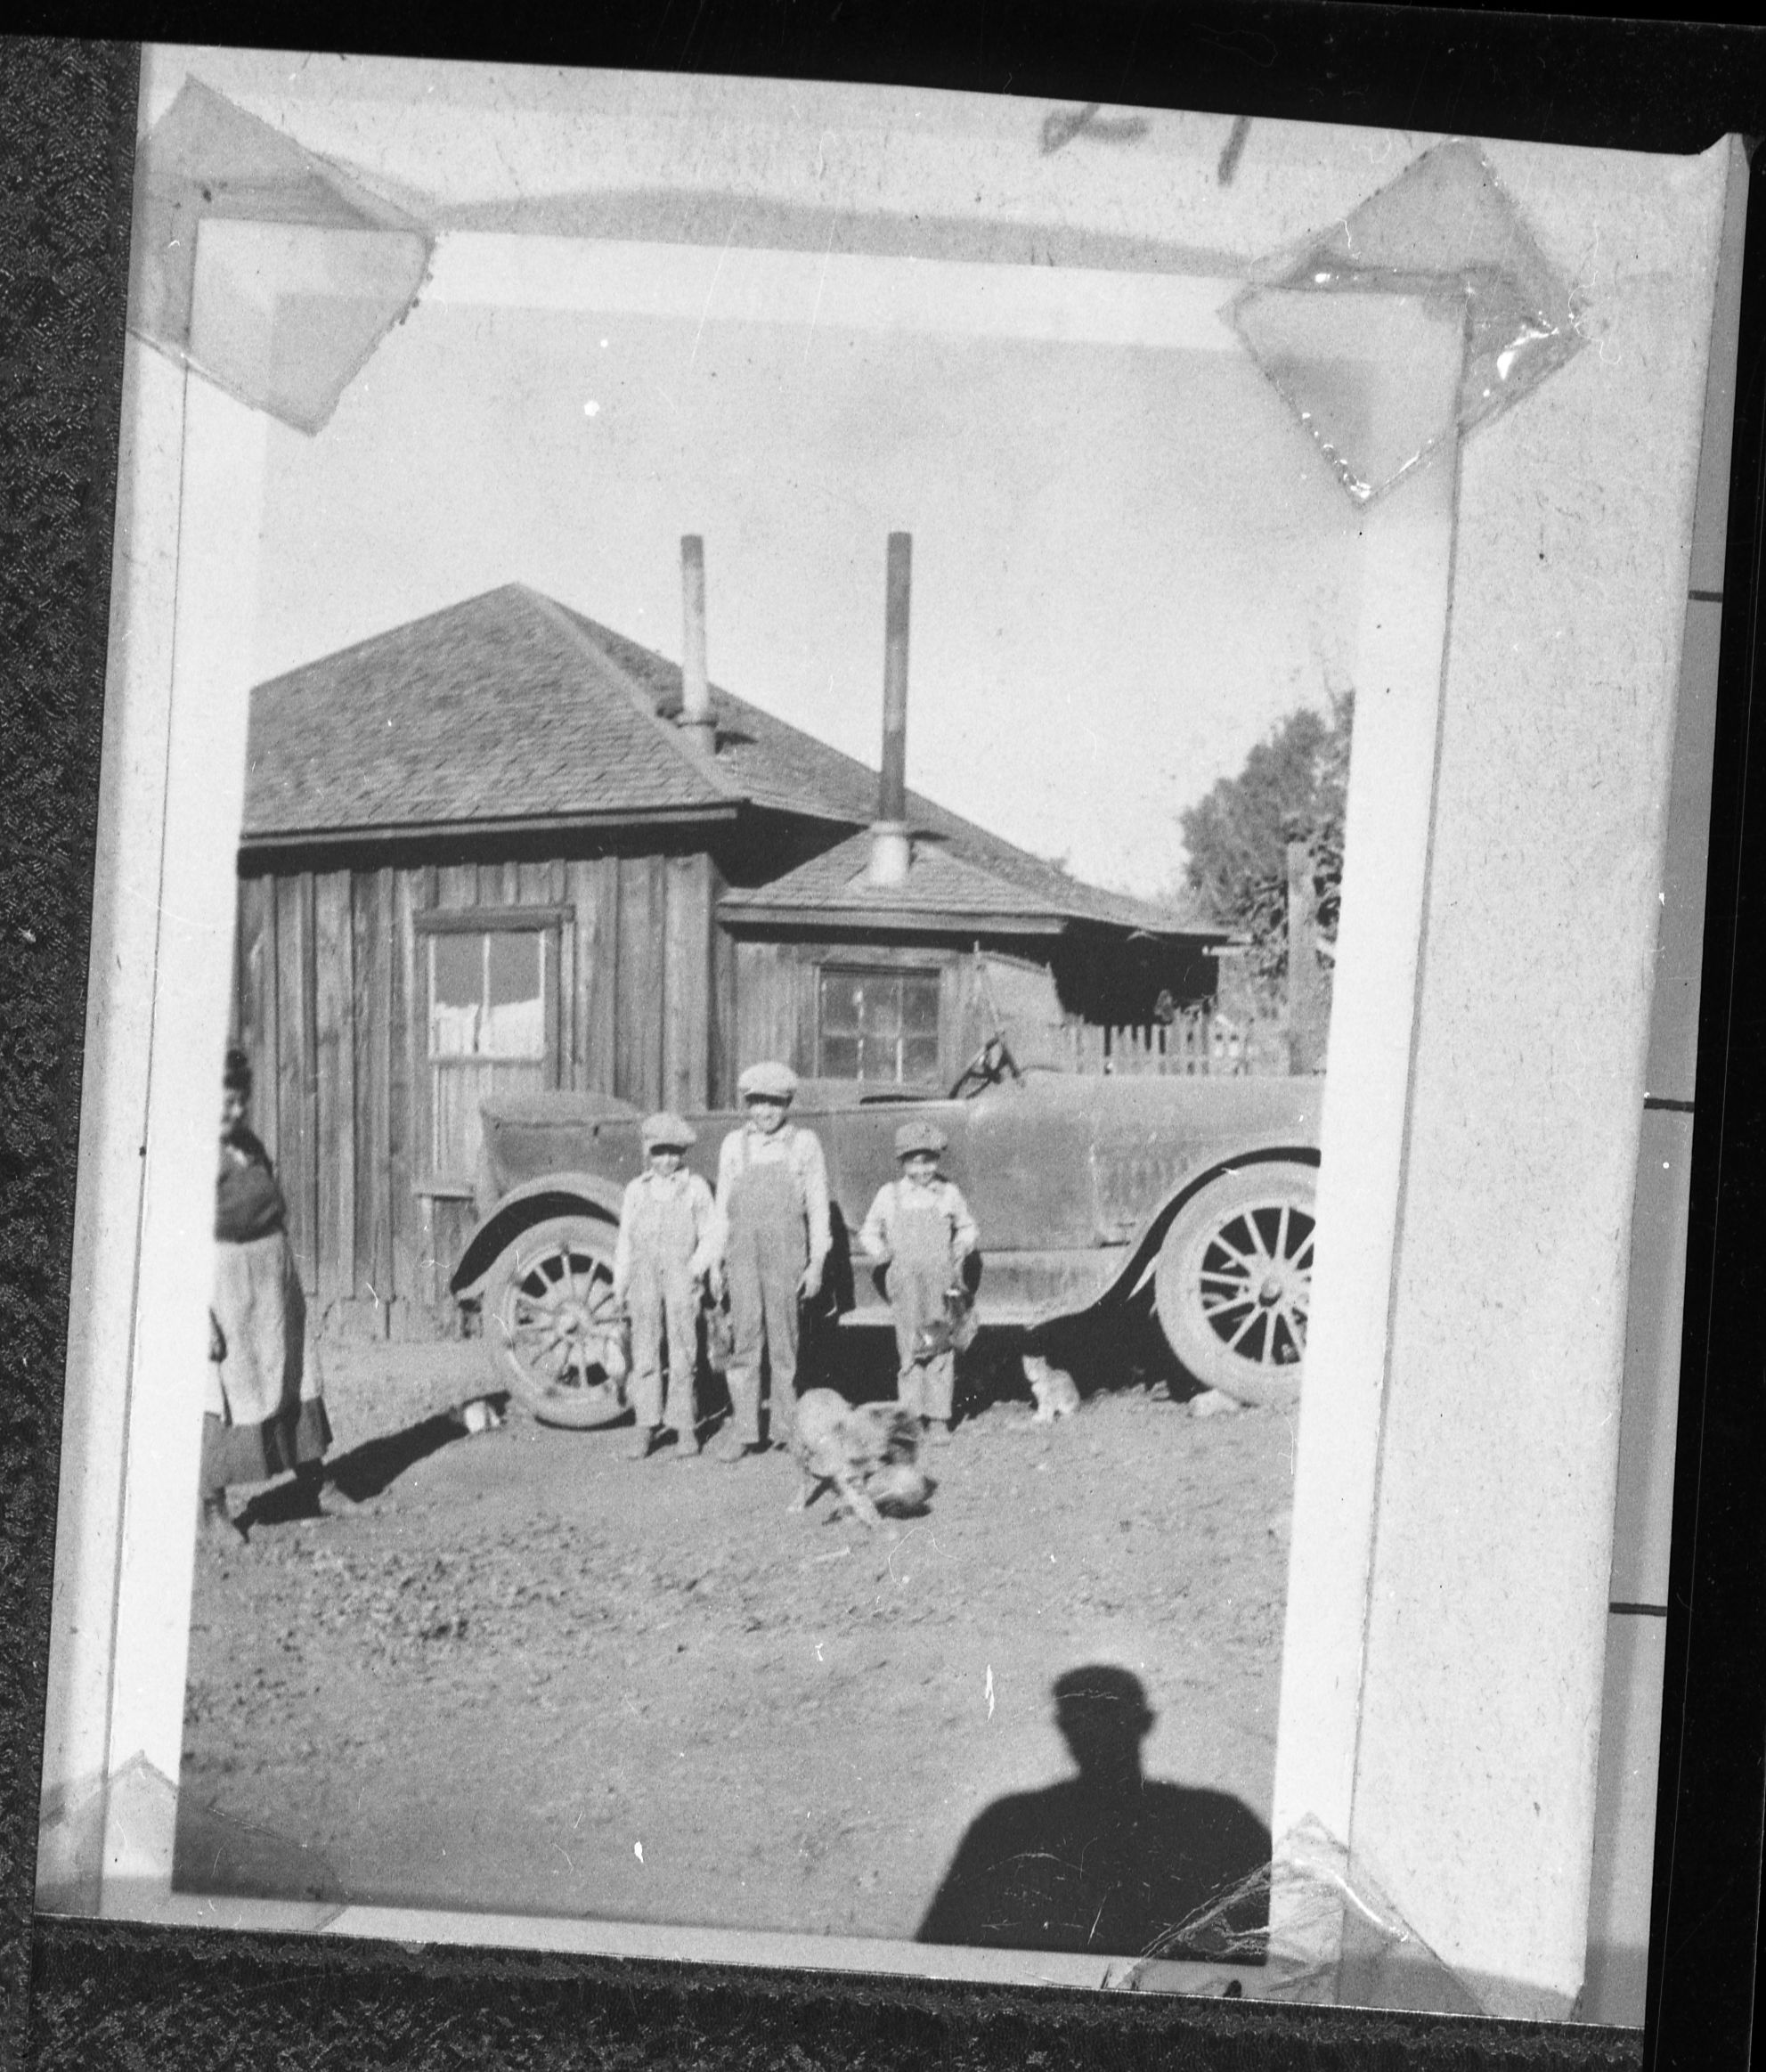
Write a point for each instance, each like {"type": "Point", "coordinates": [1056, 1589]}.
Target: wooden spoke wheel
{"type": "Point", "coordinates": [552, 1325]}
{"type": "Point", "coordinates": [1234, 1282]}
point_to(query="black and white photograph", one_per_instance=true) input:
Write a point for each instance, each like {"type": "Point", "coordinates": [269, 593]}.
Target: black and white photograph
{"type": "Point", "coordinates": [644, 1057]}
{"type": "Point", "coordinates": [908, 896]}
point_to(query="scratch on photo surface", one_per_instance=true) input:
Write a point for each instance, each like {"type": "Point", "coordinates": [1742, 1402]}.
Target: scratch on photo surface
{"type": "Point", "coordinates": [166, 913]}
{"type": "Point", "coordinates": [896, 1549]}
{"type": "Point", "coordinates": [566, 1854]}
{"type": "Point", "coordinates": [821, 282]}
{"type": "Point", "coordinates": [990, 1690]}
{"type": "Point", "coordinates": [728, 238]}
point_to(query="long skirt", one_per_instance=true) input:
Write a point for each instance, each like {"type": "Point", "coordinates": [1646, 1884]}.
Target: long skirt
{"type": "Point", "coordinates": [265, 1412]}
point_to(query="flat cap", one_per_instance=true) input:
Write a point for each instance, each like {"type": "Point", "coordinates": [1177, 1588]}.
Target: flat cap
{"type": "Point", "coordinates": [767, 1081]}
{"type": "Point", "coordinates": [914, 1137]}
{"type": "Point", "coordinates": [666, 1131]}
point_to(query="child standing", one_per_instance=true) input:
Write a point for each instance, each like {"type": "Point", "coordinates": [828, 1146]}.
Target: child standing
{"type": "Point", "coordinates": [773, 1237]}
{"type": "Point", "coordinates": [662, 1256]}
{"type": "Point", "coordinates": [921, 1228]}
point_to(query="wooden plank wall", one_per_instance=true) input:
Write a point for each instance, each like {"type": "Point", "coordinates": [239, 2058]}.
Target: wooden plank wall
{"type": "Point", "coordinates": [638, 1027]}
{"type": "Point", "coordinates": [330, 999]}
{"type": "Point", "coordinates": [726, 1061]}
{"type": "Point", "coordinates": [767, 978]}
{"type": "Point", "coordinates": [687, 982]}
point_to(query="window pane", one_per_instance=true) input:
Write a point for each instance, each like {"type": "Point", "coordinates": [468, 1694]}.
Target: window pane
{"type": "Point", "coordinates": [879, 1025]}
{"type": "Point", "coordinates": [458, 961]}
{"type": "Point", "coordinates": [457, 982]}
{"type": "Point", "coordinates": [880, 1007]}
{"type": "Point", "coordinates": [515, 968]}
{"type": "Point", "coordinates": [919, 1058]}
{"type": "Point", "coordinates": [877, 1059]}
{"type": "Point", "coordinates": [839, 1000]}
{"type": "Point", "coordinates": [840, 1056]}
{"type": "Point", "coordinates": [516, 1030]}
{"type": "Point", "coordinates": [514, 1023]}
{"type": "Point", "coordinates": [919, 1007]}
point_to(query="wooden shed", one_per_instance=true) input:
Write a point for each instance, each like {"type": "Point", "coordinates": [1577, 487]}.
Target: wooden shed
{"type": "Point", "coordinates": [491, 849]}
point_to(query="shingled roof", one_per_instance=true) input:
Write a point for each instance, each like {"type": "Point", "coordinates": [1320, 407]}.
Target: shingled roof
{"type": "Point", "coordinates": [493, 710]}
{"type": "Point", "coordinates": [780, 766]}
{"type": "Point", "coordinates": [511, 710]}
{"type": "Point", "coordinates": [941, 888]}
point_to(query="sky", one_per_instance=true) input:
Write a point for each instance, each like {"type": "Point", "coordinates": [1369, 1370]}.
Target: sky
{"type": "Point", "coordinates": [1129, 560]}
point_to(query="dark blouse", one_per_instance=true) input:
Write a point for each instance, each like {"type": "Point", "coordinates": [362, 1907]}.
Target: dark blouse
{"type": "Point", "coordinates": [248, 1203]}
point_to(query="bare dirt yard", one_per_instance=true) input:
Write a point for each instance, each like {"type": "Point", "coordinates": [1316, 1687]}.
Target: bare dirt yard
{"type": "Point", "coordinates": [517, 1671]}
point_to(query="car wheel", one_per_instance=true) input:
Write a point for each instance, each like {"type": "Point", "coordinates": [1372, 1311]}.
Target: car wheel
{"type": "Point", "coordinates": [1234, 1282]}
{"type": "Point", "coordinates": [549, 1314]}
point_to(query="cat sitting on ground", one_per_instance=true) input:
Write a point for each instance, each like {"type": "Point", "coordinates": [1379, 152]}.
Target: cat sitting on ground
{"type": "Point", "coordinates": [1056, 1393]}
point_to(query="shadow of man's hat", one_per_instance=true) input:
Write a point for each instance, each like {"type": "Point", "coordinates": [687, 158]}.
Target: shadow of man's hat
{"type": "Point", "coordinates": [1101, 1692]}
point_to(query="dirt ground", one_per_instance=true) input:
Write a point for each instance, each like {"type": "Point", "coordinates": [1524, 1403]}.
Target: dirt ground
{"type": "Point", "coordinates": [517, 1671]}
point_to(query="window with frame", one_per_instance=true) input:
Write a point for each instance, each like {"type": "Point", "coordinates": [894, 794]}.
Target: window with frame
{"type": "Point", "coordinates": [490, 996]}
{"type": "Point", "coordinates": [878, 1026]}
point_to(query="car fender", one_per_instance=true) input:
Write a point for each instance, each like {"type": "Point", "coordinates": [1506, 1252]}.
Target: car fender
{"type": "Point", "coordinates": [1143, 1254]}
{"type": "Point", "coordinates": [554, 1194]}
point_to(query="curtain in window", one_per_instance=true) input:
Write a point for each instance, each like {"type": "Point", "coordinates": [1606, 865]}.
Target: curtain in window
{"type": "Point", "coordinates": [487, 1033]}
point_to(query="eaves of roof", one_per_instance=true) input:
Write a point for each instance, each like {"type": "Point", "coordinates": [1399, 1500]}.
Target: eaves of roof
{"type": "Point", "coordinates": [881, 915]}
{"type": "Point", "coordinates": [281, 838]}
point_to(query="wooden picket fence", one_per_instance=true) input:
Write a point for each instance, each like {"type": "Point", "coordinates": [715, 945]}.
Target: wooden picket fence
{"type": "Point", "coordinates": [1195, 1045]}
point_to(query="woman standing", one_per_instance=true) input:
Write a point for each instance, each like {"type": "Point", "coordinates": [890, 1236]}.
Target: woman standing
{"type": "Point", "coordinates": [264, 1413]}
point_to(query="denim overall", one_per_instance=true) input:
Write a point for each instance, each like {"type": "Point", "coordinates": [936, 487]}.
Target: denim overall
{"type": "Point", "coordinates": [768, 1252]}
{"type": "Point", "coordinates": [920, 1270]}
{"type": "Point", "coordinates": [662, 1292]}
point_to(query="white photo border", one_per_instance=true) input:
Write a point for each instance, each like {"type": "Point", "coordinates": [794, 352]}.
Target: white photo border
{"type": "Point", "coordinates": [163, 921]}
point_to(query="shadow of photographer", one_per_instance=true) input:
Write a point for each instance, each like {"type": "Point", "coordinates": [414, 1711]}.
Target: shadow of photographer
{"type": "Point", "coordinates": [1105, 1862]}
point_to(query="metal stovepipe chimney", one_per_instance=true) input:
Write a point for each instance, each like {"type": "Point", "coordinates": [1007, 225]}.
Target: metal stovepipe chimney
{"type": "Point", "coordinates": [696, 689]}
{"type": "Point", "coordinates": [890, 850]}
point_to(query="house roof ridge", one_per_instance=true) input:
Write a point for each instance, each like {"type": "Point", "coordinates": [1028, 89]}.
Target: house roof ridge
{"type": "Point", "coordinates": [764, 763]}
{"type": "Point", "coordinates": [991, 851]}
{"type": "Point", "coordinates": [402, 628]}
{"type": "Point", "coordinates": [561, 617]}
{"type": "Point", "coordinates": [737, 708]}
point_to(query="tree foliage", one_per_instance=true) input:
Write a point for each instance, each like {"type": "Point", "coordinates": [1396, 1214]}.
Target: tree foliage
{"type": "Point", "coordinates": [1293, 785]}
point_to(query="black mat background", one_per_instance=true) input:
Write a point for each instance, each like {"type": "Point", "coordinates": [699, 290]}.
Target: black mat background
{"type": "Point", "coordinates": [79, 1994]}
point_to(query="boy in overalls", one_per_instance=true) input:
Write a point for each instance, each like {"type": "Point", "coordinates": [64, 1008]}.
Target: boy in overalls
{"type": "Point", "coordinates": [773, 1234]}
{"type": "Point", "coordinates": [920, 1228]}
{"type": "Point", "coordinates": [666, 1246]}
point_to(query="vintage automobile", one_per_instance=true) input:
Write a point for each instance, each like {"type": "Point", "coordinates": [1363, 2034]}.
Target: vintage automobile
{"type": "Point", "coordinates": [1087, 1189]}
